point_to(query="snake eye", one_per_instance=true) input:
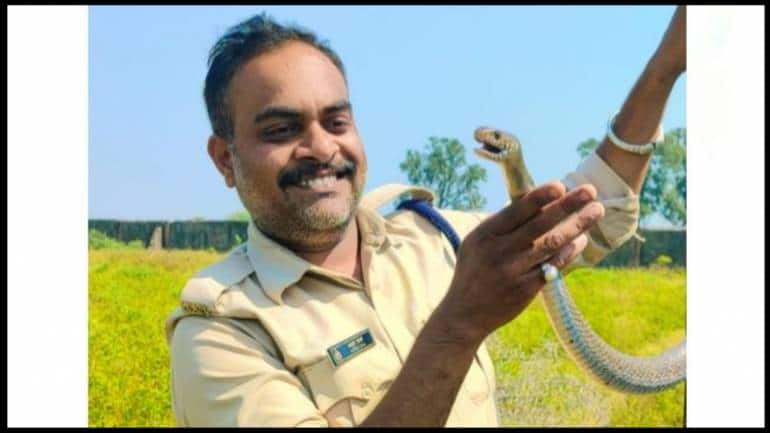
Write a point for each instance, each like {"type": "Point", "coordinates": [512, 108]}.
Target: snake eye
{"type": "Point", "coordinates": [497, 135]}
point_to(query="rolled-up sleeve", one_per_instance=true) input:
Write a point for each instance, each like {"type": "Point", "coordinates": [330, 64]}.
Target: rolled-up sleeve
{"type": "Point", "coordinates": [621, 204]}
{"type": "Point", "coordinates": [224, 377]}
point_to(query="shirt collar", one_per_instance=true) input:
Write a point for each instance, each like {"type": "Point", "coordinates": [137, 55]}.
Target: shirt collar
{"type": "Point", "coordinates": [372, 228]}
{"type": "Point", "coordinates": [277, 267]}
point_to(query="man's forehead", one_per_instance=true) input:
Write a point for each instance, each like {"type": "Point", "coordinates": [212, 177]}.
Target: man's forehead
{"type": "Point", "coordinates": [288, 73]}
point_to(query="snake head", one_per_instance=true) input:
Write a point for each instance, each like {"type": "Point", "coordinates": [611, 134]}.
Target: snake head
{"type": "Point", "coordinates": [496, 145]}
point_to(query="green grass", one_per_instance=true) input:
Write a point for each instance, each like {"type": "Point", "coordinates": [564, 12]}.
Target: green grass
{"type": "Point", "coordinates": [131, 292]}
{"type": "Point", "coordinates": [130, 295]}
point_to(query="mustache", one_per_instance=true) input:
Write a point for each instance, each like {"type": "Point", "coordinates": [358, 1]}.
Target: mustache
{"type": "Point", "coordinates": [309, 168]}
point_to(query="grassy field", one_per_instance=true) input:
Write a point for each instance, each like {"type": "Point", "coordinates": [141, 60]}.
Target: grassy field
{"type": "Point", "coordinates": [132, 291]}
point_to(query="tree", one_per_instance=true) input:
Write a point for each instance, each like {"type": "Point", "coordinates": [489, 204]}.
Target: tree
{"type": "Point", "coordinates": [241, 215]}
{"type": "Point", "coordinates": [442, 168]}
{"type": "Point", "coordinates": [674, 192]}
{"type": "Point", "coordinates": [665, 187]}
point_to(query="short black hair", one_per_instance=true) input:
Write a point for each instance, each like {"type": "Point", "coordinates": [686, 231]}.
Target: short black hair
{"type": "Point", "coordinates": [242, 42]}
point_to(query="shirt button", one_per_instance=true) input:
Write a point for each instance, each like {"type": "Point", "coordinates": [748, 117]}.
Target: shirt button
{"type": "Point", "coordinates": [368, 392]}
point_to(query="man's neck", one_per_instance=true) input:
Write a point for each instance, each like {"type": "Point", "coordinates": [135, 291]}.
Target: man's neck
{"type": "Point", "coordinates": [343, 257]}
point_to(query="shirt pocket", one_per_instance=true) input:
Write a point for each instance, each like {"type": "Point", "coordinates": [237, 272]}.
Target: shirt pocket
{"type": "Point", "coordinates": [348, 393]}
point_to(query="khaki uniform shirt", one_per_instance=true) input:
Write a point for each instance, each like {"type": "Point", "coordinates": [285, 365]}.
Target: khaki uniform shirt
{"type": "Point", "coordinates": [249, 343]}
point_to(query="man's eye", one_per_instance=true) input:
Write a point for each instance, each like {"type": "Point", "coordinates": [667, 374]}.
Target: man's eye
{"type": "Point", "coordinates": [282, 131]}
{"type": "Point", "coordinates": [339, 124]}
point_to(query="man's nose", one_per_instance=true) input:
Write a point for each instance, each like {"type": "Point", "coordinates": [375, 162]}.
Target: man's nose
{"type": "Point", "coordinates": [318, 144]}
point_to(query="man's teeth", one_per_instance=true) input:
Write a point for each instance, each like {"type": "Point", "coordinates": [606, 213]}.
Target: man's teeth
{"type": "Point", "coordinates": [319, 182]}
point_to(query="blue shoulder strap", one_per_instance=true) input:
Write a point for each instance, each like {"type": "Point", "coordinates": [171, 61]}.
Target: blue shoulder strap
{"type": "Point", "coordinates": [426, 209]}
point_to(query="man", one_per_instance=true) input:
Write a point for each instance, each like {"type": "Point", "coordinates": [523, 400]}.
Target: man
{"type": "Point", "coordinates": [332, 315]}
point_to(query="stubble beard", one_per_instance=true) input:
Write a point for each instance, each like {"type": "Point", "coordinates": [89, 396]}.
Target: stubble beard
{"type": "Point", "coordinates": [313, 228]}
{"type": "Point", "coordinates": [298, 226]}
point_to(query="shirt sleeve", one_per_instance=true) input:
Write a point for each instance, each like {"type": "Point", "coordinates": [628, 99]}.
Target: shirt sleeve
{"type": "Point", "coordinates": [621, 204]}
{"type": "Point", "coordinates": [223, 376]}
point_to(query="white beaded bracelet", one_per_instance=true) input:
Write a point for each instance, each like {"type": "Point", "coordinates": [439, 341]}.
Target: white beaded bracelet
{"type": "Point", "coordinates": [641, 149]}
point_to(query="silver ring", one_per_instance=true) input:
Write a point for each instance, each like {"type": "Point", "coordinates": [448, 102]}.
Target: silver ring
{"type": "Point", "coordinates": [550, 272]}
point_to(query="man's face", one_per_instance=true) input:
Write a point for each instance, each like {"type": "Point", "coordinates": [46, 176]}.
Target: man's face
{"type": "Point", "coordinates": [298, 163]}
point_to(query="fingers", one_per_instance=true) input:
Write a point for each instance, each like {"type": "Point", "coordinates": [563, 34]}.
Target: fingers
{"type": "Point", "coordinates": [517, 213]}
{"type": "Point", "coordinates": [553, 214]}
{"type": "Point", "coordinates": [570, 252]}
{"type": "Point", "coordinates": [565, 256]}
{"type": "Point", "coordinates": [530, 283]}
{"type": "Point", "coordinates": [527, 287]}
{"type": "Point", "coordinates": [552, 242]}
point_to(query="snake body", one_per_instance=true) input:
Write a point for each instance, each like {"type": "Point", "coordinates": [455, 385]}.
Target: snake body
{"type": "Point", "coordinates": [622, 372]}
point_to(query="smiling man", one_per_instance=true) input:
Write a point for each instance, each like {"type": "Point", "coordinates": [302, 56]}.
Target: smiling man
{"type": "Point", "coordinates": [291, 147]}
{"type": "Point", "coordinates": [332, 315]}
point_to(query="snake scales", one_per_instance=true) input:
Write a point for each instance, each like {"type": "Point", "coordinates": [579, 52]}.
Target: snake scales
{"type": "Point", "coordinates": [631, 374]}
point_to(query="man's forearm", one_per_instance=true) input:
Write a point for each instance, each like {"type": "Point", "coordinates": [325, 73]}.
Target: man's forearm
{"type": "Point", "coordinates": [426, 388]}
{"type": "Point", "coordinates": [637, 122]}
{"type": "Point", "coordinates": [640, 115]}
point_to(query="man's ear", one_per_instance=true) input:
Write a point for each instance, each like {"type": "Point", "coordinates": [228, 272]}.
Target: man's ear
{"type": "Point", "coordinates": [223, 158]}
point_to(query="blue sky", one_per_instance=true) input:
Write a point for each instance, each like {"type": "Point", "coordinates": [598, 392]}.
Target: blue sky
{"type": "Point", "coordinates": [550, 74]}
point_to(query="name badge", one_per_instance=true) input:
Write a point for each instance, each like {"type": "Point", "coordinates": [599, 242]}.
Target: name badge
{"type": "Point", "coordinates": [350, 347]}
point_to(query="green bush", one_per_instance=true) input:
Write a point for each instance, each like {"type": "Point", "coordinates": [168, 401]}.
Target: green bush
{"type": "Point", "coordinates": [99, 241]}
{"type": "Point", "coordinates": [136, 244]}
{"type": "Point", "coordinates": [663, 260]}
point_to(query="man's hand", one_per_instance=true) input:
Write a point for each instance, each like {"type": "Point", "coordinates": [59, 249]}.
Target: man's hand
{"type": "Point", "coordinates": [498, 268]}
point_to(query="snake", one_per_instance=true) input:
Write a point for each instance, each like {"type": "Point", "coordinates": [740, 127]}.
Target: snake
{"type": "Point", "coordinates": [602, 362]}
